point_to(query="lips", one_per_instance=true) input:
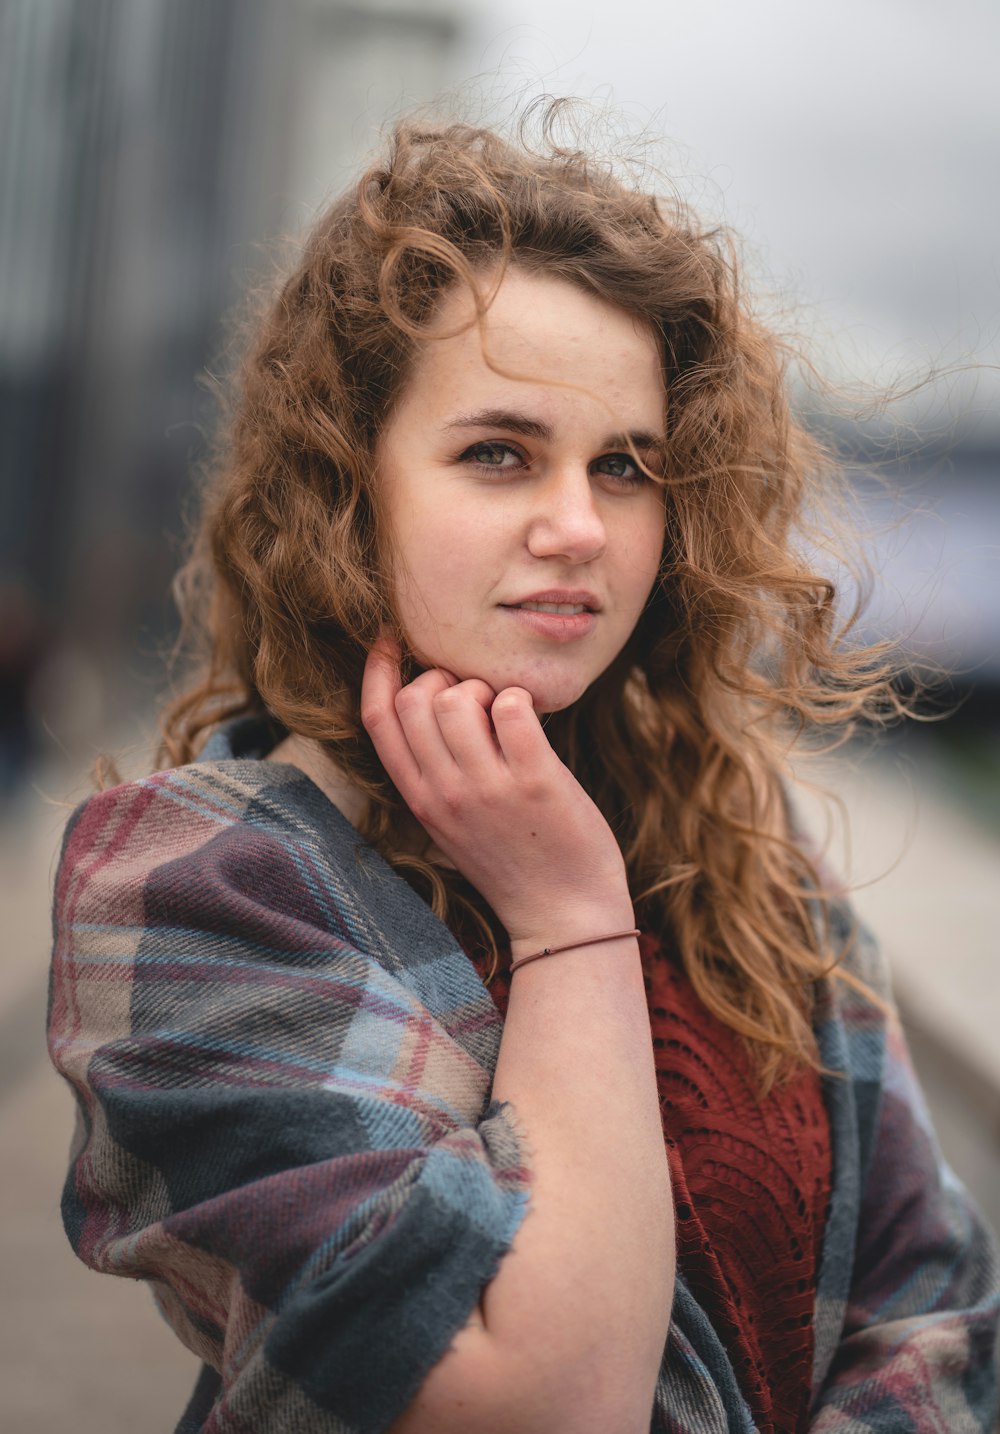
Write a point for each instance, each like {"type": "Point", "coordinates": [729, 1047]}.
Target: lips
{"type": "Point", "coordinates": [564, 601]}
{"type": "Point", "coordinates": [560, 609]}
{"type": "Point", "coordinates": [555, 616]}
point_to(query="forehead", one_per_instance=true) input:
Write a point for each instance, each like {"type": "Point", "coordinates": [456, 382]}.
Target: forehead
{"type": "Point", "coordinates": [542, 339]}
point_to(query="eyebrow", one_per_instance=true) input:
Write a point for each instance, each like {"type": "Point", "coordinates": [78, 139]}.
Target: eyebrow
{"type": "Point", "coordinates": [534, 428]}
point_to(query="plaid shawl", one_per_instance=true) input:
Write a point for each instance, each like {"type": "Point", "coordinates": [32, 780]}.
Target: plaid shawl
{"type": "Point", "coordinates": [282, 1066]}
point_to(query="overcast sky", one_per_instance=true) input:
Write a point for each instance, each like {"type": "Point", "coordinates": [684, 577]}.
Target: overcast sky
{"type": "Point", "coordinates": [854, 143]}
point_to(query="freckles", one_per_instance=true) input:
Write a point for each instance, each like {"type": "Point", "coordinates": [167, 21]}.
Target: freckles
{"type": "Point", "coordinates": [642, 552]}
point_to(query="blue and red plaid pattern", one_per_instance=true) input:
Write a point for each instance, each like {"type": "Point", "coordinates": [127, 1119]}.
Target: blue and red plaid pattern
{"type": "Point", "coordinates": [282, 1064]}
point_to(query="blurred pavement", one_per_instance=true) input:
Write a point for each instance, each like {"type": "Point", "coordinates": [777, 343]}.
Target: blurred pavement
{"type": "Point", "coordinates": [88, 1353]}
{"type": "Point", "coordinates": [925, 877]}
{"type": "Point", "coordinates": [80, 1351]}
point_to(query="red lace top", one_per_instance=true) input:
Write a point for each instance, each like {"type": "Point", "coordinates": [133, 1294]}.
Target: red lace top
{"type": "Point", "coordinates": [751, 1182]}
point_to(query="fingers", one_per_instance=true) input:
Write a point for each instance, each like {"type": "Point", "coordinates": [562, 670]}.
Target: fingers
{"type": "Point", "coordinates": [420, 732]}
{"type": "Point", "coordinates": [380, 687]}
{"type": "Point", "coordinates": [518, 730]}
{"type": "Point", "coordinates": [463, 718]}
{"type": "Point", "coordinates": [417, 717]}
{"type": "Point", "coordinates": [396, 717]}
{"type": "Point", "coordinates": [437, 729]}
{"type": "Point", "coordinates": [380, 681]}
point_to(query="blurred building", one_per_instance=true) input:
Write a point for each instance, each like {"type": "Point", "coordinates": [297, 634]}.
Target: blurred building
{"type": "Point", "coordinates": [147, 148]}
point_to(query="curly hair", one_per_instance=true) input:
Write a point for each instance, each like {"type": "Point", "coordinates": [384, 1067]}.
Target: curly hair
{"type": "Point", "coordinates": [682, 741]}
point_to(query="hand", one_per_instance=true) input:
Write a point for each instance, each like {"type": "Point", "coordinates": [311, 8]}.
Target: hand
{"type": "Point", "coordinates": [477, 771]}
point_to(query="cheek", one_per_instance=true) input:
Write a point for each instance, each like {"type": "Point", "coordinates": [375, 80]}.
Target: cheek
{"type": "Point", "coordinates": [646, 548]}
{"type": "Point", "coordinates": [435, 583]}
{"type": "Point", "coordinates": [455, 547]}
{"type": "Point", "coordinates": [426, 529]}
{"type": "Point", "coordinates": [413, 534]}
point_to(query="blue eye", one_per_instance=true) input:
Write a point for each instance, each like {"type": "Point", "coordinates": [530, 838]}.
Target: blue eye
{"type": "Point", "coordinates": [492, 455]}
{"type": "Point", "coordinates": [620, 467]}
{"type": "Point", "coordinates": [498, 457]}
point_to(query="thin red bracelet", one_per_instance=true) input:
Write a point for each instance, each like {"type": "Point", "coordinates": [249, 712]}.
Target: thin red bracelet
{"type": "Point", "coordinates": [587, 941]}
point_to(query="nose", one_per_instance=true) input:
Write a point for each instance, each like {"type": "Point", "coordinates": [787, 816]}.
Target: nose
{"type": "Point", "coordinates": [565, 521]}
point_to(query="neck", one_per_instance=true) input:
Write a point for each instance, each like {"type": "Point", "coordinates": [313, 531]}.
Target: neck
{"type": "Point", "coordinates": [308, 756]}
{"type": "Point", "coordinates": [336, 785]}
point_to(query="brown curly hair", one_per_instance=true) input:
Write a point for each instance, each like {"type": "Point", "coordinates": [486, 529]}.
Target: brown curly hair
{"type": "Point", "coordinates": [682, 741]}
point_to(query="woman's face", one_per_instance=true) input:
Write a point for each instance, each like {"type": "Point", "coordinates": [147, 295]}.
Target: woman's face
{"type": "Point", "coordinates": [525, 538]}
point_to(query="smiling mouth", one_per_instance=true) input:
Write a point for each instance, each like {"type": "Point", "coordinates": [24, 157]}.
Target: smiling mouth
{"type": "Point", "coordinates": [568, 609]}
{"type": "Point", "coordinates": [554, 621]}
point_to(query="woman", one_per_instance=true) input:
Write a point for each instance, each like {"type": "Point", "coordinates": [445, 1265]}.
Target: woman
{"type": "Point", "coordinates": [506, 629]}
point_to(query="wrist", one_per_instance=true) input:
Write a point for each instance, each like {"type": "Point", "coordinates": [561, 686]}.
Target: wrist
{"type": "Point", "coordinates": [573, 927]}
{"type": "Point", "coordinates": [604, 938]}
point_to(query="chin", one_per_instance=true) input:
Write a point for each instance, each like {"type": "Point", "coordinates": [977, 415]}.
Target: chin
{"type": "Point", "coordinates": [548, 693]}
{"type": "Point", "coordinates": [544, 702]}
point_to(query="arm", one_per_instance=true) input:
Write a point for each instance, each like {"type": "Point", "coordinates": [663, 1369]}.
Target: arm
{"type": "Point", "coordinates": [575, 1322]}
{"type": "Point", "coordinates": [918, 1345]}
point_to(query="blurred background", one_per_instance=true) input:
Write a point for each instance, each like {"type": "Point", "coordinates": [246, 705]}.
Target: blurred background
{"type": "Point", "coordinates": [153, 151]}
